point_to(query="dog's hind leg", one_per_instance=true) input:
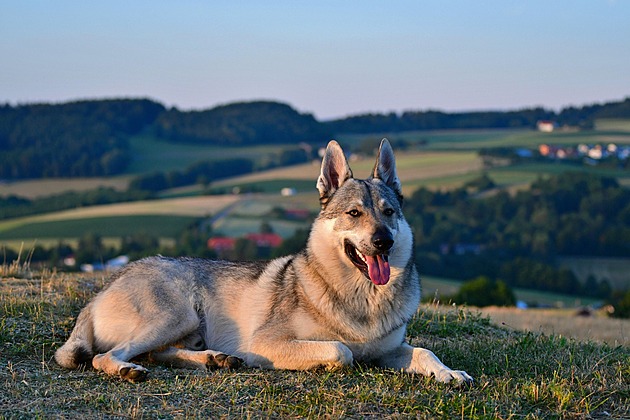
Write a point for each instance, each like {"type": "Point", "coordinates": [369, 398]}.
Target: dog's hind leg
{"type": "Point", "coordinates": [140, 340]}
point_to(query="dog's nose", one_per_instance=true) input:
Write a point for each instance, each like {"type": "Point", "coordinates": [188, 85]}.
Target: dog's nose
{"type": "Point", "coordinates": [382, 242]}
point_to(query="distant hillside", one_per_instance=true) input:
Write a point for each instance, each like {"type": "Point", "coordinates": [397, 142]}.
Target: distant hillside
{"type": "Point", "coordinates": [243, 123]}
{"type": "Point", "coordinates": [85, 138]}
{"type": "Point", "coordinates": [91, 138]}
{"type": "Point", "coordinates": [583, 117]}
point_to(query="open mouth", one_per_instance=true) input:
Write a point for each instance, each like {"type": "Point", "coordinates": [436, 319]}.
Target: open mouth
{"type": "Point", "coordinates": [375, 268]}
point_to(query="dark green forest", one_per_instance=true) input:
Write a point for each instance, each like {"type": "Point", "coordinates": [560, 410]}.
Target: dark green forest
{"type": "Point", "coordinates": [91, 138]}
{"type": "Point", "coordinates": [76, 139]}
{"type": "Point", "coordinates": [464, 234]}
{"type": "Point", "coordinates": [241, 124]}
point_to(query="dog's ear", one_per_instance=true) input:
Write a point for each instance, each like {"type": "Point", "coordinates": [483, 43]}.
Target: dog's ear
{"type": "Point", "coordinates": [385, 168]}
{"type": "Point", "coordinates": [335, 171]}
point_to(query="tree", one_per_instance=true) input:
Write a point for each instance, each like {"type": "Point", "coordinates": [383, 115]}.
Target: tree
{"type": "Point", "coordinates": [483, 291]}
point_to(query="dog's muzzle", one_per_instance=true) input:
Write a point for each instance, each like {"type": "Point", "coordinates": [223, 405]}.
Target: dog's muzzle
{"type": "Point", "coordinates": [374, 267]}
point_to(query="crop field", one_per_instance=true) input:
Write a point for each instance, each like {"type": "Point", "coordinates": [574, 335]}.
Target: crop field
{"type": "Point", "coordinates": [43, 187]}
{"type": "Point", "coordinates": [596, 327]}
{"type": "Point", "coordinates": [414, 169]}
{"type": "Point", "coordinates": [112, 226]}
{"type": "Point", "coordinates": [162, 218]}
{"type": "Point", "coordinates": [152, 154]}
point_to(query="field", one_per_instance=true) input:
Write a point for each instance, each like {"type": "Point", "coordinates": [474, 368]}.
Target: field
{"type": "Point", "coordinates": [128, 217]}
{"type": "Point", "coordinates": [153, 154]}
{"type": "Point", "coordinates": [435, 288]}
{"type": "Point", "coordinates": [524, 375]}
{"type": "Point", "coordinates": [561, 366]}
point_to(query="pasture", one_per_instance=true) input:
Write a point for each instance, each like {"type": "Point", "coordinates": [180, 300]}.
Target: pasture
{"type": "Point", "coordinates": [529, 375]}
{"type": "Point", "coordinates": [153, 154]}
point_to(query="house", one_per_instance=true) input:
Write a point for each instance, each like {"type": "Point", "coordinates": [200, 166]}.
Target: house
{"type": "Point", "coordinates": [262, 240]}
{"type": "Point", "coordinates": [288, 192]}
{"type": "Point", "coordinates": [265, 240]}
{"type": "Point", "coordinates": [546, 126]}
{"type": "Point", "coordinates": [220, 245]}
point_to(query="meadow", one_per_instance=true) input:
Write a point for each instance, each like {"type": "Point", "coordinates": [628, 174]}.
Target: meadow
{"type": "Point", "coordinates": [517, 375]}
{"type": "Point", "coordinates": [529, 364]}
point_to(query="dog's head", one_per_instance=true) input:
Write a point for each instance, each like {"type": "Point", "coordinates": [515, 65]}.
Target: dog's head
{"type": "Point", "coordinates": [366, 215]}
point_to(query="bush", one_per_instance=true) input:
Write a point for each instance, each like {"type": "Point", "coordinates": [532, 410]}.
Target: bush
{"type": "Point", "coordinates": [484, 291]}
{"type": "Point", "coordinates": [621, 303]}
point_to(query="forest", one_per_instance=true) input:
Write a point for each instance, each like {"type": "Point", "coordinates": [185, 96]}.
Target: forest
{"type": "Point", "coordinates": [91, 138]}
{"type": "Point", "coordinates": [516, 238]}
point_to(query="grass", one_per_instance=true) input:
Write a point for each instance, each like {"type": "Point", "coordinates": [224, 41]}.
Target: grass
{"type": "Point", "coordinates": [153, 154]}
{"type": "Point", "coordinates": [596, 327]}
{"type": "Point", "coordinates": [440, 288]}
{"type": "Point", "coordinates": [524, 375]}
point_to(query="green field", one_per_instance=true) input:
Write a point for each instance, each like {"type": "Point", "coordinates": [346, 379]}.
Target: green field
{"type": "Point", "coordinates": [440, 288]}
{"type": "Point", "coordinates": [110, 226]}
{"type": "Point", "coordinates": [606, 131]}
{"type": "Point", "coordinates": [152, 154]}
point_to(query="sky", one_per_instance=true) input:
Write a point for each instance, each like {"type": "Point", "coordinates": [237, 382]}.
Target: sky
{"type": "Point", "coordinates": [328, 58]}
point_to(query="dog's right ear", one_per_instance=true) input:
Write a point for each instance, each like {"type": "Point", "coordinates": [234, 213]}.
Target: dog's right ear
{"type": "Point", "coordinates": [335, 171]}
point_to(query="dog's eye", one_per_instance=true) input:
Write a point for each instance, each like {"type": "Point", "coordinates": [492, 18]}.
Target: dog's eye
{"type": "Point", "coordinates": [389, 212]}
{"type": "Point", "coordinates": [354, 213]}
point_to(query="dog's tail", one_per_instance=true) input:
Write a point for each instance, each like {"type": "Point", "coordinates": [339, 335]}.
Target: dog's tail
{"type": "Point", "coordinates": [78, 350]}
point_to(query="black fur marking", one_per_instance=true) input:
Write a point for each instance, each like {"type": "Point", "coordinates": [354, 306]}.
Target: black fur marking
{"type": "Point", "coordinates": [82, 356]}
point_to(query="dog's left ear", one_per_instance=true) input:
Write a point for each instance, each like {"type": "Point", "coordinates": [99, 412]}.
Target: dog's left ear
{"type": "Point", "coordinates": [385, 168]}
{"type": "Point", "coordinates": [335, 171]}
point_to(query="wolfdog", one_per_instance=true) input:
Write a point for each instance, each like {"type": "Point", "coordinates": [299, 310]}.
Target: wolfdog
{"type": "Point", "coordinates": [348, 296]}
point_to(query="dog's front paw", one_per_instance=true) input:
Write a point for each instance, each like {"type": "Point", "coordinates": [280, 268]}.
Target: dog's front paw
{"type": "Point", "coordinates": [344, 357]}
{"type": "Point", "coordinates": [133, 373]}
{"type": "Point", "coordinates": [222, 360]}
{"type": "Point", "coordinates": [458, 377]}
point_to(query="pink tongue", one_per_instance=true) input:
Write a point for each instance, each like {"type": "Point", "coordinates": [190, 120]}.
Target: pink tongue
{"type": "Point", "coordinates": [378, 269]}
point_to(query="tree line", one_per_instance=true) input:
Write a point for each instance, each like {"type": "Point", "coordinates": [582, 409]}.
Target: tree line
{"type": "Point", "coordinates": [582, 117]}
{"type": "Point", "coordinates": [464, 234]}
{"type": "Point", "coordinates": [75, 139]}
{"type": "Point", "coordinates": [91, 138]}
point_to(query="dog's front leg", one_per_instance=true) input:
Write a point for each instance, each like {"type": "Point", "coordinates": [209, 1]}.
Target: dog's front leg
{"type": "Point", "coordinates": [294, 354]}
{"type": "Point", "coordinates": [419, 360]}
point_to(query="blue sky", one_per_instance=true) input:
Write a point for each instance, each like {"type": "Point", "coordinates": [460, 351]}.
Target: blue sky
{"type": "Point", "coordinates": [331, 58]}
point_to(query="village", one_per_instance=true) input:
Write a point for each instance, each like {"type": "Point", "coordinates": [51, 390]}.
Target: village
{"type": "Point", "coordinates": [591, 154]}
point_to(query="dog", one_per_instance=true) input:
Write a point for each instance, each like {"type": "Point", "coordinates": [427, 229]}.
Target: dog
{"type": "Point", "coordinates": [346, 297]}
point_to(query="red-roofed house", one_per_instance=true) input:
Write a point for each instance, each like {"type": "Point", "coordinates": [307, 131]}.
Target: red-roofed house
{"type": "Point", "coordinates": [221, 244]}
{"type": "Point", "coordinates": [265, 240]}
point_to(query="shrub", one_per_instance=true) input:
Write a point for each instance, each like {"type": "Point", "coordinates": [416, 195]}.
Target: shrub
{"type": "Point", "coordinates": [484, 291]}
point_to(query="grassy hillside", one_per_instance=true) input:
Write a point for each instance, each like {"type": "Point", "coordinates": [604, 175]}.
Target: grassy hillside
{"type": "Point", "coordinates": [516, 374]}
{"type": "Point", "coordinates": [151, 154]}
{"type": "Point", "coordinates": [157, 215]}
